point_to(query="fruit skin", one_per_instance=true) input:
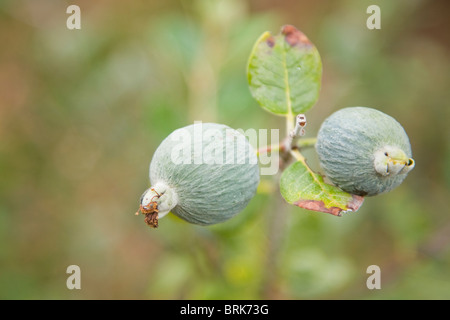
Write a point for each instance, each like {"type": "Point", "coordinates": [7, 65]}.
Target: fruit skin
{"type": "Point", "coordinates": [205, 193]}
{"type": "Point", "coordinates": [364, 151]}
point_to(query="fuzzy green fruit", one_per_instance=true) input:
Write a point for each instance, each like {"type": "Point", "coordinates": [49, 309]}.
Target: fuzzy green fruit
{"type": "Point", "coordinates": [364, 151]}
{"type": "Point", "coordinates": [204, 173]}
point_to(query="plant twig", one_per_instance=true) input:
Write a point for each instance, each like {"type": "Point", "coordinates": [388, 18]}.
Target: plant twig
{"type": "Point", "coordinates": [292, 140]}
{"type": "Point", "coordinates": [298, 156]}
{"type": "Point", "coordinates": [296, 133]}
{"type": "Point", "coordinates": [301, 144]}
{"type": "Point", "coordinates": [270, 148]}
{"type": "Point", "coordinates": [277, 214]}
{"type": "Point", "coordinates": [306, 143]}
{"type": "Point", "coordinates": [289, 121]}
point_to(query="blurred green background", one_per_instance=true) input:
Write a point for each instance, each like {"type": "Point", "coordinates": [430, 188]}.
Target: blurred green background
{"type": "Point", "coordinates": [82, 111]}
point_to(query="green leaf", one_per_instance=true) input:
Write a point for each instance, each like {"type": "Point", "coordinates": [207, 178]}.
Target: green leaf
{"type": "Point", "coordinates": [284, 72]}
{"type": "Point", "coordinates": [300, 186]}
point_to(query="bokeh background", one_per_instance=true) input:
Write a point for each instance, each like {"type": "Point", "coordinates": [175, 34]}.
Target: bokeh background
{"type": "Point", "coordinates": [82, 111]}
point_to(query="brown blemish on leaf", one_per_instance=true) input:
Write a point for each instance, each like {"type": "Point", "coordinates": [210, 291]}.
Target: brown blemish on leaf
{"type": "Point", "coordinates": [294, 37]}
{"type": "Point", "coordinates": [270, 41]}
{"type": "Point", "coordinates": [355, 203]}
{"type": "Point", "coordinates": [319, 206]}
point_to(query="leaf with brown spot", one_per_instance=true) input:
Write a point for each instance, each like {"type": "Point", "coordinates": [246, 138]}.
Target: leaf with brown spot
{"type": "Point", "coordinates": [300, 186]}
{"type": "Point", "coordinates": [294, 37]}
{"type": "Point", "coordinates": [284, 72]}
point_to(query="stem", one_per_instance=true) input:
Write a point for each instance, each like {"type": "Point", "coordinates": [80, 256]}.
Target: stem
{"type": "Point", "coordinates": [301, 144]}
{"type": "Point", "coordinates": [296, 132]}
{"type": "Point", "coordinates": [289, 147]}
{"type": "Point", "coordinates": [269, 149]}
{"type": "Point", "coordinates": [277, 222]}
{"type": "Point", "coordinates": [289, 122]}
{"type": "Point", "coordinates": [298, 156]}
{"type": "Point", "coordinates": [306, 143]}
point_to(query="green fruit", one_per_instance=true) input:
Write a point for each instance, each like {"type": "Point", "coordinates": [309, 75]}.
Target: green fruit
{"type": "Point", "coordinates": [364, 151]}
{"type": "Point", "coordinates": [204, 173]}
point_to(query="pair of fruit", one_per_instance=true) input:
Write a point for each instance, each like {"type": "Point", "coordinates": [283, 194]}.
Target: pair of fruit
{"type": "Point", "coordinates": [362, 150]}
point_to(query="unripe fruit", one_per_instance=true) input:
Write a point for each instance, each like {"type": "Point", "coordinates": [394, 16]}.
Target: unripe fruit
{"type": "Point", "coordinates": [364, 151]}
{"type": "Point", "coordinates": [204, 173]}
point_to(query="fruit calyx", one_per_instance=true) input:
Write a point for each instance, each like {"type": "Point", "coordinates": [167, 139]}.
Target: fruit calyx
{"type": "Point", "coordinates": [156, 202]}
{"type": "Point", "coordinates": [391, 161]}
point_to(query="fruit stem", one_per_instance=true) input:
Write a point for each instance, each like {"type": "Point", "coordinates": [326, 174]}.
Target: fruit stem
{"type": "Point", "coordinates": [306, 143]}
{"type": "Point", "coordinates": [289, 122]}
{"type": "Point", "coordinates": [298, 156]}
{"type": "Point", "coordinates": [301, 144]}
{"type": "Point", "coordinates": [269, 149]}
{"type": "Point", "coordinates": [296, 132]}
